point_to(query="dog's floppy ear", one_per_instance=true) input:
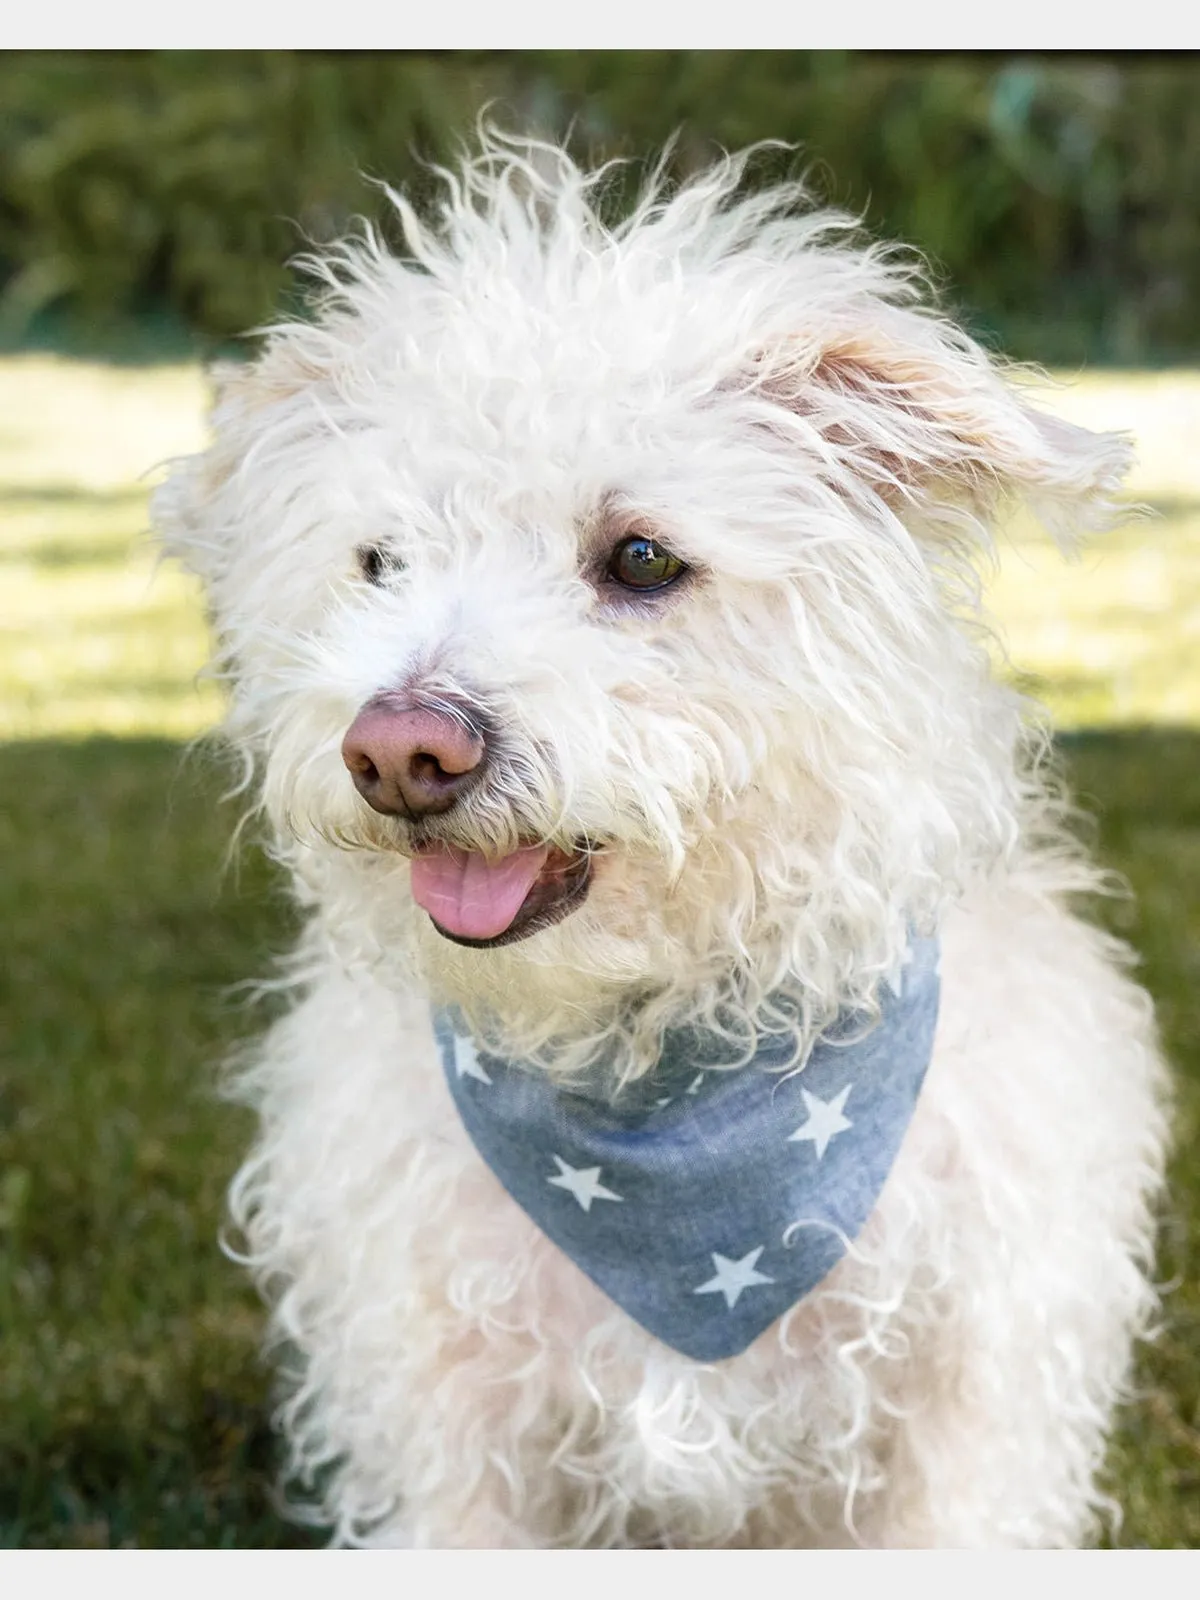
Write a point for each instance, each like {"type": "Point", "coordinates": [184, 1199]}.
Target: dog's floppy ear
{"type": "Point", "coordinates": [191, 510]}
{"type": "Point", "coordinates": [911, 408]}
{"type": "Point", "coordinates": [184, 508]}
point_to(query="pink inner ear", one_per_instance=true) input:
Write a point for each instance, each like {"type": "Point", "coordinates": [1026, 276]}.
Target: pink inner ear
{"type": "Point", "coordinates": [883, 433]}
{"type": "Point", "coordinates": [908, 414]}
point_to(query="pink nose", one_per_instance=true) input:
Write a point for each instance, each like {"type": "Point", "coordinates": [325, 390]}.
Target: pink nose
{"type": "Point", "coordinates": [408, 762]}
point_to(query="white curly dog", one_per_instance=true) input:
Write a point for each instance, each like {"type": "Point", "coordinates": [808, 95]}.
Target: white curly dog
{"type": "Point", "coordinates": [598, 613]}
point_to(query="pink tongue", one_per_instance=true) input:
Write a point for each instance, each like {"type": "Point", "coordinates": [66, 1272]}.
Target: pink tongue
{"type": "Point", "coordinates": [469, 895]}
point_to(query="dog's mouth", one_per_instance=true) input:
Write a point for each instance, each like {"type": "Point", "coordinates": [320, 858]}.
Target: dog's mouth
{"type": "Point", "coordinates": [482, 902]}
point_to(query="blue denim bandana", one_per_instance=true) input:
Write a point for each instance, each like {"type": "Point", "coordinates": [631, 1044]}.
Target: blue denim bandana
{"type": "Point", "coordinates": [706, 1203]}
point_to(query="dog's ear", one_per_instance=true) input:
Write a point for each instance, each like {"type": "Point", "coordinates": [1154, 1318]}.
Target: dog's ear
{"type": "Point", "coordinates": [191, 509]}
{"type": "Point", "coordinates": [913, 409]}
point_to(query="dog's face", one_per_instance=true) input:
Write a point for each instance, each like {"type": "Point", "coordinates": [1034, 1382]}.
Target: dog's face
{"type": "Point", "coordinates": [597, 591]}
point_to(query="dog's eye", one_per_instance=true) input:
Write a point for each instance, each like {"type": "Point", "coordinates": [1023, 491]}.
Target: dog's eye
{"type": "Point", "coordinates": [377, 564]}
{"type": "Point", "coordinates": [641, 563]}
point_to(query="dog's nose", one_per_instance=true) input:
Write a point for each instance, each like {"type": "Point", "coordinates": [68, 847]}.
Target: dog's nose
{"type": "Point", "coordinates": [411, 762]}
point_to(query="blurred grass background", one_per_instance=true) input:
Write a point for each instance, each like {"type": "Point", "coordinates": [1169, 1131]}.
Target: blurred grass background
{"type": "Point", "coordinates": [146, 204]}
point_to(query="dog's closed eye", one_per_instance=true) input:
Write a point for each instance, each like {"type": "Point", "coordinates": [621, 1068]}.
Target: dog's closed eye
{"type": "Point", "coordinates": [377, 564]}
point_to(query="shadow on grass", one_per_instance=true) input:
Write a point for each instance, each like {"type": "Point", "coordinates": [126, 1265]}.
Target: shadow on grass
{"type": "Point", "coordinates": [99, 1485]}
{"type": "Point", "coordinates": [60, 555]}
{"type": "Point", "coordinates": [56, 553]}
{"type": "Point", "coordinates": [1167, 507]}
{"type": "Point", "coordinates": [136, 1404]}
{"type": "Point", "coordinates": [1068, 688]}
{"type": "Point", "coordinates": [70, 494]}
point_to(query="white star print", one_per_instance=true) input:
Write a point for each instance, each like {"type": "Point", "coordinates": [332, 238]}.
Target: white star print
{"type": "Point", "coordinates": [825, 1120]}
{"type": "Point", "coordinates": [583, 1182]}
{"type": "Point", "coordinates": [731, 1277]}
{"type": "Point", "coordinates": [466, 1060]}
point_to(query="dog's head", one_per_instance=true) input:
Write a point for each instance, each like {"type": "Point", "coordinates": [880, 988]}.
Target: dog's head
{"type": "Point", "coordinates": [591, 598]}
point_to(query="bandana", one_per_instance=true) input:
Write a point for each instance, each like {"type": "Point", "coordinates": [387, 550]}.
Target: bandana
{"type": "Point", "coordinates": [707, 1202]}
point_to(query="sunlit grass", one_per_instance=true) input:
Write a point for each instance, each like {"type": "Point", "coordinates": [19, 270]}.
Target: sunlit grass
{"type": "Point", "coordinates": [95, 638]}
{"type": "Point", "coordinates": [1113, 635]}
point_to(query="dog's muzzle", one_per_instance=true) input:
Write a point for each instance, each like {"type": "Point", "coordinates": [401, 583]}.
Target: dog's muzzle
{"type": "Point", "coordinates": [417, 761]}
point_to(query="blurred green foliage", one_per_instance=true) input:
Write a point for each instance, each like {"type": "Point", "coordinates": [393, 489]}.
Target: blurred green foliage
{"type": "Point", "coordinates": [1057, 194]}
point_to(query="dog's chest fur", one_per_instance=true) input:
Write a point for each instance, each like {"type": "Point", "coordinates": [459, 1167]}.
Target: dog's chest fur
{"type": "Point", "coordinates": [480, 1335]}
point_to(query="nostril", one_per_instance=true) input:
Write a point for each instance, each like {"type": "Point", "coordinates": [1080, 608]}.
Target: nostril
{"type": "Point", "coordinates": [429, 768]}
{"type": "Point", "coordinates": [426, 768]}
{"type": "Point", "coordinates": [360, 764]}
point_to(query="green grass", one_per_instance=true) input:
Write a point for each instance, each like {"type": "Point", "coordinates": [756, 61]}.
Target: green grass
{"type": "Point", "coordinates": [132, 1401]}
{"type": "Point", "coordinates": [133, 1405]}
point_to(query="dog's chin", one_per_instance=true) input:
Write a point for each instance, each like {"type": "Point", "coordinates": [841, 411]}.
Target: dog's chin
{"type": "Point", "coordinates": [560, 889]}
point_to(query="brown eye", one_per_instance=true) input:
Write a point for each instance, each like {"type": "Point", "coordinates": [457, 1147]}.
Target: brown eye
{"type": "Point", "coordinates": [377, 564]}
{"type": "Point", "coordinates": [641, 563]}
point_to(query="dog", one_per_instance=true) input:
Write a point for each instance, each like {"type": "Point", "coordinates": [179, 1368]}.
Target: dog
{"type": "Point", "coordinates": [704, 1115]}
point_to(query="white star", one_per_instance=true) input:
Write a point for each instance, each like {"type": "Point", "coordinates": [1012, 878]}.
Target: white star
{"type": "Point", "coordinates": [466, 1060]}
{"type": "Point", "coordinates": [694, 1086]}
{"type": "Point", "coordinates": [731, 1277]}
{"type": "Point", "coordinates": [825, 1120]}
{"type": "Point", "coordinates": [663, 1100]}
{"type": "Point", "coordinates": [583, 1182]}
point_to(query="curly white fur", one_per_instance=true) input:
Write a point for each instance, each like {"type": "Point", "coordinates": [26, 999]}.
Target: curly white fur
{"type": "Point", "coordinates": [783, 763]}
